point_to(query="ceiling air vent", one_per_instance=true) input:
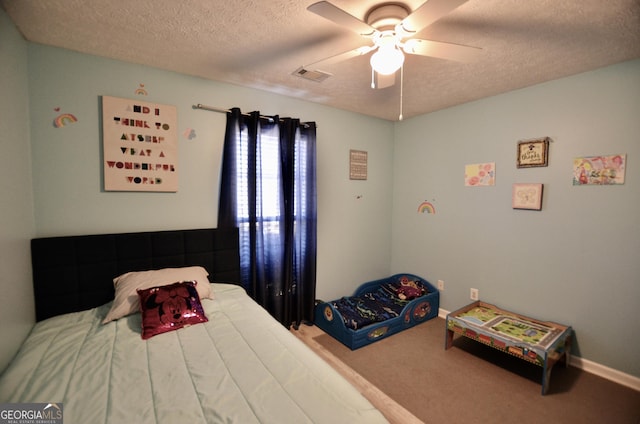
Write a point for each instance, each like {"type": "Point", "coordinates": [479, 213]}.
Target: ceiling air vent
{"type": "Point", "coordinates": [315, 75]}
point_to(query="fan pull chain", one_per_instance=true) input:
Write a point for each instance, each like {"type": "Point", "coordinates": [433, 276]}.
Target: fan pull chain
{"type": "Point", "coordinates": [401, 90]}
{"type": "Point", "coordinates": [373, 84]}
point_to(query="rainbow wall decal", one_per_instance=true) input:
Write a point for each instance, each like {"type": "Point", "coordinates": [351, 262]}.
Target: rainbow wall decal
{"type": "Point", "coordinates": [426, 207]}
{"type": "Point", "coordinates": [141, 91]}
{"type": "Point", "coordinates": [64, 119]}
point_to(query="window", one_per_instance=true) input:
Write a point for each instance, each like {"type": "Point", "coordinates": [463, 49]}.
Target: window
{"type": "Point", "coordinates": [268, 191]}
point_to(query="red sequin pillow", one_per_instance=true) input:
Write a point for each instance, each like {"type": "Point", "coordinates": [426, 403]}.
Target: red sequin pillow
{"type": "Point", "coordinates": [169, 308]}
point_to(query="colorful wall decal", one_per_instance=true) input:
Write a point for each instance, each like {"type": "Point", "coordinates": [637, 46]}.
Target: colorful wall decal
{"type": "Point", "coordinates": [480, 174]}
{"type": "Point", "coordinates": [189, 134]}
{"type": "Point", "coordinates": [141, 91]}
{"type": "Point", "coordinates": [426, 207]}
{"type": "Point", "coordinates": [599, 170]}
{"type": "Point", "coordinates": [140, 145]}
{"type": "Point", "coordinates": [64, 119]}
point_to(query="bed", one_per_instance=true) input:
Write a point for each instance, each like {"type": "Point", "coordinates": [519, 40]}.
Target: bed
{"type": "Point", "coordinates": [238, 365]}
{"type": "Point", "coordinates": [378, 309]}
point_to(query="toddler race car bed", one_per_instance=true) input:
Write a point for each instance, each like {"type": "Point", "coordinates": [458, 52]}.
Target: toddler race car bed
{"type": "Point", "coordinates": [197, 351]}
{"type": "Point", "coordinates": [378, 309]}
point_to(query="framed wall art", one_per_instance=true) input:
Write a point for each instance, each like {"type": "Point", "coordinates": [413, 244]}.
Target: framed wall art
{"type": "Point", "coordinates": [527, 196]}
{"type": "Point", "coordinates": [533, 153]}
{"type": "Point", "coordinates": [357, 165]}
{"type": "Point", "coordinates": [480, 174]}
{"type": "Point", "coordinates": [599, 170]}
{"type": "Point", "coordinates": [140, 145]}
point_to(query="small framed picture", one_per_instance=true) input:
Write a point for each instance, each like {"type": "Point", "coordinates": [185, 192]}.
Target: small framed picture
{"type": "Point", "coordinates": [357, 165]}
{"type": "Point", "coordinates": [527, 196]}
{"type": "Point", "coordinates": [532, 153]}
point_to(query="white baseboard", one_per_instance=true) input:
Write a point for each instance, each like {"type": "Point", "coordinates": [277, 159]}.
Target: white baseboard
{"type": "Point", "coordinates": [442, 313]}
{"type": "Point", "coordinates": [603, 371]}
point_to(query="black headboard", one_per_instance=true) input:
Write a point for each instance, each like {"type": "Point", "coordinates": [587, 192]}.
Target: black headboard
{"type": "Point", "coordinates": [75, 273]}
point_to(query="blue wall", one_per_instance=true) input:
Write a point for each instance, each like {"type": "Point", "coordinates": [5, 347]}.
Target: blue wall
{"type": "Point", "coordinates": [16, 207]}
{"type": "Point", "coordinates": [574, 262]}
{"type": "Point", "coordinates": [578, 260]}
{"type": "Point", "coordinates": [66, 194]}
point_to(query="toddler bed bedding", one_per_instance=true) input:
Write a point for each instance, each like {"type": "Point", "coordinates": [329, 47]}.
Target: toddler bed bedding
{"type": "Point", "coordinates": [208, 353]}
{"type": "Point", "coordinates": [378, 309]}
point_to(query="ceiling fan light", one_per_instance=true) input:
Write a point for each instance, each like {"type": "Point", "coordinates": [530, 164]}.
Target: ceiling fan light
{"type": "Point", "coordinates": [387, 60]}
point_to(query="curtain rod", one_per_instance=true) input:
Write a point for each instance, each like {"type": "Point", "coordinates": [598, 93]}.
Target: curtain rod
{"type": "Point", "coordinates": [220, 110]}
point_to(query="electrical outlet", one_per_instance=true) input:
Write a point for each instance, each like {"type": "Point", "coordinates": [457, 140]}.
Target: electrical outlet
{"type": "Point", "coordinates": [474, 294]}
{"type": "Point", "coordinates": [440, 285]}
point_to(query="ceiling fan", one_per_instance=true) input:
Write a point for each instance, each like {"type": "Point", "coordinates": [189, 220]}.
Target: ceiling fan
{"type": "Point", "coordinates": [391, 26]}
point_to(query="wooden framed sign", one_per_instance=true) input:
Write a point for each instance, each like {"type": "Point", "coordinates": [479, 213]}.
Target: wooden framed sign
{"type": "Point", "coordinates": [532, 153]}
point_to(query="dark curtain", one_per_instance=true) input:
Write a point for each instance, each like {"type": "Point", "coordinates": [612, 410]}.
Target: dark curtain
{"type": "Point", "coordinates": [268, 191]}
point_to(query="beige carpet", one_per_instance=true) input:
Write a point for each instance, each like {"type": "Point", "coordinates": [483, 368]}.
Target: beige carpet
{"type": "Point", "coordinates": [472, 383]}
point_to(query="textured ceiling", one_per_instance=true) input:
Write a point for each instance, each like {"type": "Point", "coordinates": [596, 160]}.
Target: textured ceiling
{"type": "Point", "coordinates": [259, 44]}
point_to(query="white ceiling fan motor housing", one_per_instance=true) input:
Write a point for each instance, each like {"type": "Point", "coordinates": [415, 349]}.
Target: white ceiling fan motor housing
{"type": "Point", "coordinates": [386, 16]}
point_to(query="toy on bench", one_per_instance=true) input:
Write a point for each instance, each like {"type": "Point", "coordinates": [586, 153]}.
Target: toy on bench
{"type": "Point", "coordinates": [378, 309]}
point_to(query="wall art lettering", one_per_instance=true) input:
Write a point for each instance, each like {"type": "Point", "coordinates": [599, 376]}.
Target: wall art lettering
{"type": "Point", "coordinates": [140, 145]}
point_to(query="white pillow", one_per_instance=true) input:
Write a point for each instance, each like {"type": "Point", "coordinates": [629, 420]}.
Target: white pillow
{"type": "Point", "coordinates": [126, 285]}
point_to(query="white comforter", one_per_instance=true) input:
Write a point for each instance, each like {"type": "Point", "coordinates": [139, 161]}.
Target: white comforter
{"type": "Point", "coordinates": [240, 367]}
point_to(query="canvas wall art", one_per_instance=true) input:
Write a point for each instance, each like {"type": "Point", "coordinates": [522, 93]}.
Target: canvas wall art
{"type": "Point", "coordinates": [480, 174]}
{"type": "Point", "coordinates": [527, 196]}
{"type": "Point", "coordinates": [357, 164]}
{"type": "Point", "coordinates": [140, 145]}
{"type": "Point", "coordinates": [599, 170]}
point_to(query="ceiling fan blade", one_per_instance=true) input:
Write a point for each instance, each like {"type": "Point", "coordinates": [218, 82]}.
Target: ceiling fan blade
{"type": "Point", "coordinates": [340, 17]}
{"type": "Point", "coordinates": [449, 51]}
{"type": "Point", "coordinates": [384, 81]}
{"type": "Point", "coordinates": [340, 57]}
{"type": "Point", "coordinates": [428, 13]}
